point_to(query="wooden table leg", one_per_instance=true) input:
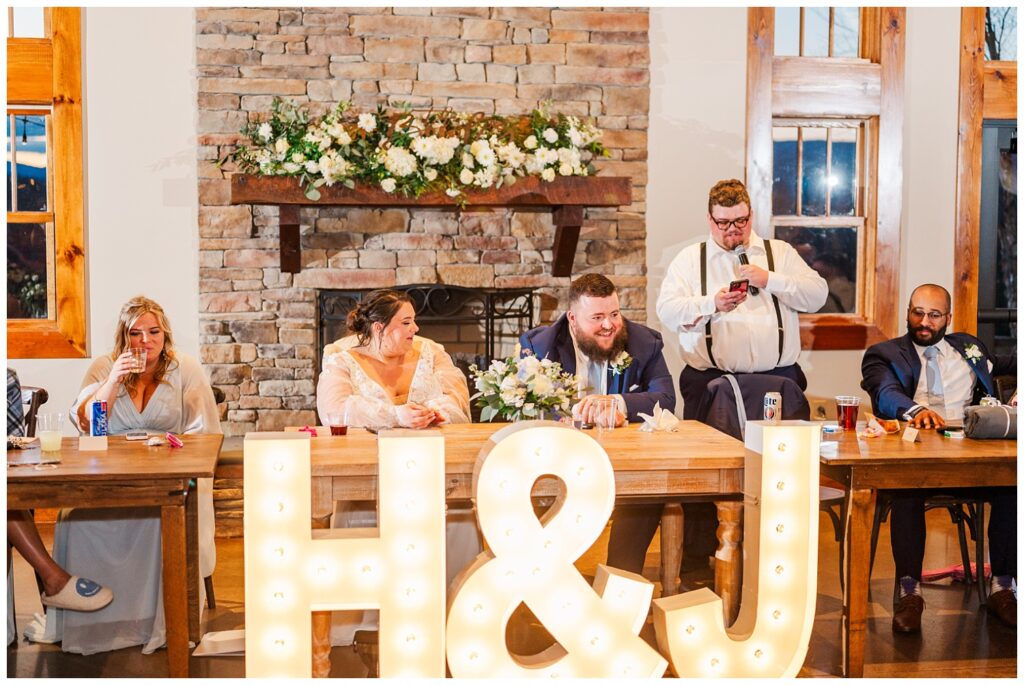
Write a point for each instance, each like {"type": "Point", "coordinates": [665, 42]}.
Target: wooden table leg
{"type": "Point", "coordinates": [860, 512]}
{"type": "Point", "coordinates": [671, 548]}
{"type": "Point", "coordinates": [192, 561]}
{"type": "Point", "coordinates": [729, 558]}
{"type": "Point", "coordinates": [321, 627]}
{"type": "Point", "coordinates": [172, 535]}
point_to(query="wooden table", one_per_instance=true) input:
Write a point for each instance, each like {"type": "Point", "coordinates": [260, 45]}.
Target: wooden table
{"type": "Point", "coordinates": [131, 474]}
{"type": "Point", "coordinates": [697, 462]}
{"type": "Point", "coordinates": [868, 465]}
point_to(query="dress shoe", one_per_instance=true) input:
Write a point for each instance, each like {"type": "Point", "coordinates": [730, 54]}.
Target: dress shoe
{"type": "Point", "coordinates": [1004, 605]}
{"type": "Point", "coordinates": [906, 617]}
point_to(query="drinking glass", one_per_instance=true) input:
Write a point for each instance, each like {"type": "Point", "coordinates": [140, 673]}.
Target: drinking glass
{"type": "Point", "coordinates": [138, 359]}
{"type": "Point", "coordinates": [49, 428]}
{"type": "Point", "coordinates": [846, 411]}
{"type": "Point", "coordinates": [604, 415]}
{"type": "Point", "coordinates": [336, 422]}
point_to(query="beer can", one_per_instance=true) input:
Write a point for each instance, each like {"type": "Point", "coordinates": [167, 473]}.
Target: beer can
{"type": "Point", "coordinates": [989, 401]}
{"type": "Point", "coordinates": [98, 424]}
{"type": "Point", "coordinates": [772, 407]}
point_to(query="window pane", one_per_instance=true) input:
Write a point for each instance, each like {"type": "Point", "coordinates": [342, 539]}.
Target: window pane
{"type": "Point", "coordinates": [28, 22]}
{"type": "Point", "coordinates": [846, 34]}
{"type": "Point", "coordinates": [26, 271]}
{"type": "Point", "coordinates": [784, 170]}
{"type": "Point", "coordinates": [787, 31]}
{"type": "Point", "coordinates": [832, 252]}
{"type": "Point", "coordinates": [843, 180]}
{"type": "Point", "coordinates": [816, 32]}
{"type": "Point", "coordinates": [1001, 33]}
{"type": "Point", "coordinates": [813, 183]}
{"type": "Point", "coordinates": [30, 150]}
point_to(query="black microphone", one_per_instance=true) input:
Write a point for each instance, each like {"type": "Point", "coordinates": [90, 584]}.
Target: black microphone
{"type": "Point", "coordinates": [741, 252]}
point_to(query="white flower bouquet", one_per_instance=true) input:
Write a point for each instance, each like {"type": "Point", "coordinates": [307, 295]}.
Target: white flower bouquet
{"type": "Point", "coordinates": [524, 388]}
{"type": "Point", "coordinates": [412, 152]}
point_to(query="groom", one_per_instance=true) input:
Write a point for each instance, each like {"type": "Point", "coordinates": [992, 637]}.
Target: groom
{"type": "Point", "coordinates": [616, 358]}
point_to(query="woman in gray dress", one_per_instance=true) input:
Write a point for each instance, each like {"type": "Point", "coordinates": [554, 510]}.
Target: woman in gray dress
{"type": "Point", "coordinates": [122, 546]}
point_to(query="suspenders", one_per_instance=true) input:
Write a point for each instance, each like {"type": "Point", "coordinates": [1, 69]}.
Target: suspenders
{"type": "Point", "coordinates": [704, 292]}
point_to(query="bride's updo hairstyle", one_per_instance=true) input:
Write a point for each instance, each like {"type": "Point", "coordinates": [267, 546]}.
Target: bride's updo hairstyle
{"type": "Point", "coordinates": [379, 306]}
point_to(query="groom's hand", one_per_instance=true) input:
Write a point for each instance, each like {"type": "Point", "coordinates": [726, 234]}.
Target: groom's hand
{"type": "Point", "coordinates": [586, 409]}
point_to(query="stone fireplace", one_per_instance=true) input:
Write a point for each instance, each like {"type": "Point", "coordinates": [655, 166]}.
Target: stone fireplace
{"type": "Point", "coordinates": [260, 340]}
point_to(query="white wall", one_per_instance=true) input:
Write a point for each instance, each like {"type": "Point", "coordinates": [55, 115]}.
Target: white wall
{"type": "Point", "coordinates": [141, 187]}
{"type": "Point", "coordinates": [698, 92]}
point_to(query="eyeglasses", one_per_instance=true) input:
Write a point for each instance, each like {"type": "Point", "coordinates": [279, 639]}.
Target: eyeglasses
{"type": "Point", "coordinates": [724, 224]}
{"type": "Point", "coordinates": [919, 313]}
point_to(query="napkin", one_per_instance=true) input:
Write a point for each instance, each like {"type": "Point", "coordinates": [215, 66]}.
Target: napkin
{"type": "Point", "coordinates": [662, 420]}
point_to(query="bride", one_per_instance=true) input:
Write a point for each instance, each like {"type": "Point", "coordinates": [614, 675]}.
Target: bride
{"type": "Point", "coordinates": [386, 376]}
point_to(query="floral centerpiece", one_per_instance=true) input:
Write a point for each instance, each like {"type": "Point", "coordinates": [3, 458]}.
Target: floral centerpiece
{"type": "Point", "coordinates": [523, 388]}
{"type": "Point", "coordinates": [412, 152]}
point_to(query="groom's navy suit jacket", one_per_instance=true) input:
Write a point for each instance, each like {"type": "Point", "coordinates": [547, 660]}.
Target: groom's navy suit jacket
{"type": "Point", "coordinates": [645, 382]}
{"type": "Point", "coordinates": [891, 371]}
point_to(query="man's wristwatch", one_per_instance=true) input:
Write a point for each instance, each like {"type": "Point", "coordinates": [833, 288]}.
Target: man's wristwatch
{"type": "Point", "coordinates": [909, 416]}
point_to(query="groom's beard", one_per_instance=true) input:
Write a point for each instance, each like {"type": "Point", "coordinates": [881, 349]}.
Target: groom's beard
{"type": "Point", "coordinates": [588, 346]}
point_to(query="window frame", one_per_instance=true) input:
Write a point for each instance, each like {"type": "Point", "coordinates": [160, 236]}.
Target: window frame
{"type": "Point", "coordinates": [48, 71]}
{"type": "Point", "coordinates": [868, 88]}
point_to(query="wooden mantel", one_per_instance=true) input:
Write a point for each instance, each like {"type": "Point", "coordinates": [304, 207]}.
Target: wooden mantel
{"type": "Point", "coordinates": [566, 197]}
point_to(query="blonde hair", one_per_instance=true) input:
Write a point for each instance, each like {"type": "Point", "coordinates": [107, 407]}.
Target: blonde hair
{"type": "Point", "coordinates": [132, 310]}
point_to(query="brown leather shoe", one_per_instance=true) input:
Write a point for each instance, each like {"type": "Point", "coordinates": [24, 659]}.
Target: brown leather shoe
{"type": "Point", "coordinates": [1004, 605]}
{"type": "Point", "coordinates": [906, 617]}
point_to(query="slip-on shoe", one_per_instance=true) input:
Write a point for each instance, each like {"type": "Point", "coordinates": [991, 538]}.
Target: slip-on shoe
{"type": "Point", "coordinates": [1004, 605]}
{"type": "Point", "coordinates": [906, 617]}
{"type": "Point", "coordinates": [79, 594]}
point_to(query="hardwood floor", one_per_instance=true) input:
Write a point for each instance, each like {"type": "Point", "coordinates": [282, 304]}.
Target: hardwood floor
{"type": "Point", "coordinates": [957, 640]}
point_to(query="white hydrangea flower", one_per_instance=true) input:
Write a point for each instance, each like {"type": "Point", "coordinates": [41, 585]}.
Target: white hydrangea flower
{"type": "Point", "coordinates": [569, 156]}
{"type": "Point", "coordinates": [265, 131]}
{"type": "Point", "coordinates": [550, 135]}
{"type": "Point", "coordinates": [400, 161]}
{"type": "Point", "coordinates": [312, 167]}
{"type": "Point", "coordinates": [388, 185]}
{"type": "Point", "coordinates": [548, 174]}
{"type": "Point", "coordinates": [530, 143]}
{"type": "Point", "coordinates": [575, 137]}
{"type": "Point", "coordinates": [367, 122]}
{"type": "Point", "coordinates": [281, 146]}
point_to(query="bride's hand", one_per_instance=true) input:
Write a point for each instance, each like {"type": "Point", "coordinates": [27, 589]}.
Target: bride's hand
{"type": "Point", "coordinates": [414, 415]}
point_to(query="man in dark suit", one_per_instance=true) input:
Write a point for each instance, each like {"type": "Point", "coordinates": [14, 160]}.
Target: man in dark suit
{"type": "Point", "coordinates": [927, 377]}
{"type": "Point", "coordinates": [615, 358]}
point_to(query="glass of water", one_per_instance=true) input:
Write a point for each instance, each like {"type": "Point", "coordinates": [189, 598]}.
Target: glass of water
{"type": "Point", "coordinates": [49, 428]}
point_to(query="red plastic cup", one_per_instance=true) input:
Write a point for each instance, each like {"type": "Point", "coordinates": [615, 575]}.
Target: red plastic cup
{"type": "Point", "coordinates": [847, 407]}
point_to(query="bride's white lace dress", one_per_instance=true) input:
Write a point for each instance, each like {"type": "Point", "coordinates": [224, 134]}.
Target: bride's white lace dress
{"type": "Point", "coordinates": [345, 388]}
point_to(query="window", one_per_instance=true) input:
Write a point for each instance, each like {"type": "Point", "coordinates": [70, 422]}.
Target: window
{"type": "Point", "coordinates": [824, 127]}
{"type": "Point", "coordinates": [1001, 33]}
{"type": "Point", "coordinates": [45, 217]}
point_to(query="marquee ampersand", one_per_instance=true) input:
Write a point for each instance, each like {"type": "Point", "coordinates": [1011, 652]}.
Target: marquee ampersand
{"type": "Point", "coordinates": [531, 561]}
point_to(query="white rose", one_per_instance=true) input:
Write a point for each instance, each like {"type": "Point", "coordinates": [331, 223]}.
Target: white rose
{"type": "Point", "coordinates": [466, 177]}
{"type": "Point", "coordinates": [298, 157]}
{"type": "Point", "coordinates": [530, 143]}
{"type": "Point", "coordinates": [548, 174]}
{"type": "Point", "coordinates": [542, 385]}
{"type": "Point", "coordinates": [281, 146]}
{"type": "Point", "coordinates": [430, 173]}
{"type": "Point", "coordinates": [367, 122]}
{"type": "Point", "coordinates": [467, 160]}
{"type": "Point", "coordinates": [291, 168]}
{"type": "Point", "coordinates": [312, 167]}
{"type": "Point", "coordinates": [265, 131]}
{"type": "Point", "coordinates": [565, 169]}
{"type": "Point", "coordinates": [550, 135]}
{"type": "Point", "coordinates": [453, 192]}
{"type": "Point", "coordinates": [388, 185]}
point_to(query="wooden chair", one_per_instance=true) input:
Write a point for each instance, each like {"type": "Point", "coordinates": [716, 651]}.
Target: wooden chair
{"type": "Point", "coordinates": [32, 398]}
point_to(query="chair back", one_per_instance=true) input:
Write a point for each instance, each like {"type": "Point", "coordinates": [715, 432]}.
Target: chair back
{"type": "Point", "coordinates": [720, 409]}
{"type": "Point", "coordinates": [32, 398]}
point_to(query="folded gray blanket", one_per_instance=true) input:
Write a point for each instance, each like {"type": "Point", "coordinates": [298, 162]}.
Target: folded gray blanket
{"type": "Point", "coordinates": [986, 423]}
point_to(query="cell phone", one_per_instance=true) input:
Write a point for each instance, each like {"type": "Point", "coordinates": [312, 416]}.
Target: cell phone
{"type": "Point", "coordinates": [739, 286]}
{"type": "Point", "coordinates": [136, 435]}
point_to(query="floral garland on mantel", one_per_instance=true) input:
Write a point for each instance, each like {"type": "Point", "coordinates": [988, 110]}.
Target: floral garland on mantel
{"type": "Point", "coordinates": [413, 152]}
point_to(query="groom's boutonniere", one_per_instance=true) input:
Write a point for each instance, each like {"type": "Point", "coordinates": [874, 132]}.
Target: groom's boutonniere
{"type": "Point", "coordinates": [972, 353]}
{"type": "Point", "coordinates": [621, 363]}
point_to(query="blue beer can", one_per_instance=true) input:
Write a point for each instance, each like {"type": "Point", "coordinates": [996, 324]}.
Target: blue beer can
{"type": "Point", "coordinates": [98, 425]}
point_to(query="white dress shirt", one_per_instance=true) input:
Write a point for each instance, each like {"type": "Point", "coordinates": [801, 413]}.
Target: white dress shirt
{"type": "Point", "coordinates": [745, 340]}
{"type": "Point", "coordinates": [958, 380]}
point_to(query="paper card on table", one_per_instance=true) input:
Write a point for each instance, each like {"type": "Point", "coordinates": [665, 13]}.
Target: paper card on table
{"type": "Point", "coordinates": [92, 443]}
{"type": "Point", "coordinates": [222, 643]}
{"type": "Point", "coordinates": [911, 434]}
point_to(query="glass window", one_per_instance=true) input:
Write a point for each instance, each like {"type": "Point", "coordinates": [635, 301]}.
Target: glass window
{"type": "Point", "coordinates": [846, 32]}
{"type": "Point", "coordinates": [813, 178]}
{"type": "Point", "coordinates": [29, 156]}
{"type": "Point", "coordinates": [1001, 33]}
{"type": "Point", "coordinates": [842, 177]}
{"type": "Point", "coordinates": [27, 253]}
{"type": "Point", "coordinates": [27, 22]}
{"type": "Point", "coordinates": [815, 32]}
{"type": "Point", "coordinates": [832, 252]}
{"type": "Point", "coordinates": [785, 170]}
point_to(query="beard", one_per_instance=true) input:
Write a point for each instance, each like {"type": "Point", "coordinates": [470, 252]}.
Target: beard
{"type": "Point", "coordinates": [588, 345]}
{"type": "Point", "coordinates": [924, 337]}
